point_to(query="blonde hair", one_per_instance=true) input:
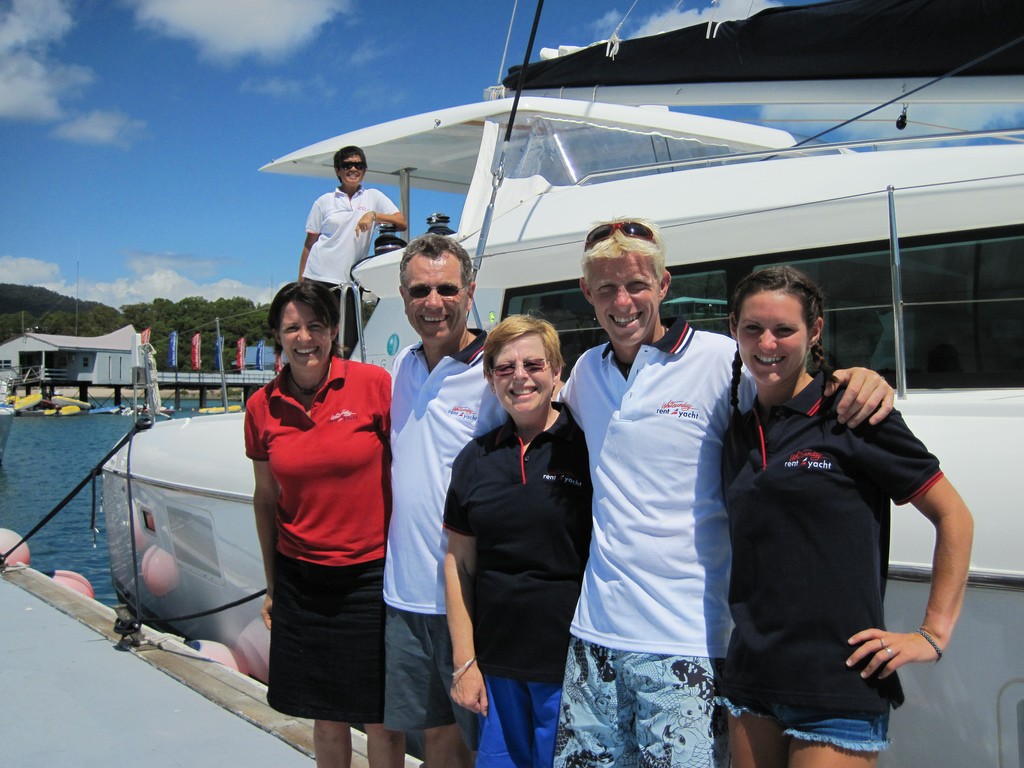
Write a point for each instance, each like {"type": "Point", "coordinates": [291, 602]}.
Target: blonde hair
{"type": "Point", "coordinates": [618, 244]}
{"type": "Point", "coordinates": [515, 327]}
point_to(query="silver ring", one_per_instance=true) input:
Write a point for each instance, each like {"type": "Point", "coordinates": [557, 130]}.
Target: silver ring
{"type": "Point", "coordinates": [882, 641]}
{"type": "Point", "coordinates": [889, 651]}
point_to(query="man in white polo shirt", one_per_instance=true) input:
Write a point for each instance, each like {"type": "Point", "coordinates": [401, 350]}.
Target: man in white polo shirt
{"type": "Point", "coordinates": [440, 402]}
{"type": "Point", "coordinates": [652, 623]}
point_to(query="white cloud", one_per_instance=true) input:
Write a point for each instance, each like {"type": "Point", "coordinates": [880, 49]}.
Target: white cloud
{"type": "Point", "coordinates": [25, 271]}
{"type": "Point", "coordinates": [31, 84]}
{"type": "Point", "coordinates": [171, 285]}
{"type": "Point", "coordinates": [28, 23]}
{"type": "Point", "coordinates": [726, 10]}
{"type": "Point", "coordinates": [285, 88]}
{"type": "Point", "coordinates": [99, 127]}
{"type": "Point", "coordinates": [226, 29]}
{"type": "Point", "coordinates": [151, 277]}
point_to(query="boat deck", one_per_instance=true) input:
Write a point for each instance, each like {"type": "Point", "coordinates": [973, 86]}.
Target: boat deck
{"type": "Point", "coordinates": [73, 700]}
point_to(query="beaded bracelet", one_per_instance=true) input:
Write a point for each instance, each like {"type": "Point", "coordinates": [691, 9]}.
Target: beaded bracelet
{"type": "Point", "coordinates": [931, 641]}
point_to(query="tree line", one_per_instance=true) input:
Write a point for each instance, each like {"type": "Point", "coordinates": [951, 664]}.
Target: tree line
{"type": "Point", "coordinates": [28, 309]}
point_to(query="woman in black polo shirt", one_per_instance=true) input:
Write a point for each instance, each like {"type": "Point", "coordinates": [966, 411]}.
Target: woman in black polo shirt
{"type": "Point", "coordinates": [810, 671]}
{"type": "Point", "coordinates": [518, 519]}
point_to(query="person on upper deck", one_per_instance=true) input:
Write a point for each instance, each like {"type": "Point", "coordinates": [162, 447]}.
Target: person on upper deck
{"type": "Point", "coordinates": [518, 522]}
{"type": "Point", "coordinates": [810, 672]}
{"type": "Point", "coordinates": [340, 226]}
{"type": "Point", "coordinates": [652, 623]}
{"type": "Point", "coordinates": [318, 439]}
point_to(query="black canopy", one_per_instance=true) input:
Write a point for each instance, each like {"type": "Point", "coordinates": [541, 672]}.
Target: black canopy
{"type": "Point", "coordinates": [829, 40]}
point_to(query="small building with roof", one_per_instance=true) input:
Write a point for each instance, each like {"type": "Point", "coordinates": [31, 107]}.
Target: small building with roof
{"type": "Point", "coordinates": [51, 360]}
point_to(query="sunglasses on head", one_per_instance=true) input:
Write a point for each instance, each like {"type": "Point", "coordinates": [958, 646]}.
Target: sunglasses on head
{"type": "Point", "coordinates": [628, 228]}
{"type": "Point", "coordinates": [350, 166]}
{"type": "Point", "coordinates": [445, 290]}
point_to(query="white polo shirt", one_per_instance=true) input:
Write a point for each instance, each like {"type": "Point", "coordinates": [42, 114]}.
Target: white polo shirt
{"type": "Point", "coordinates": [334, 217]}
{"type": "Point", "coordinates": [657, 577]}
{"type": "Point", "coordinates": [433, 415]}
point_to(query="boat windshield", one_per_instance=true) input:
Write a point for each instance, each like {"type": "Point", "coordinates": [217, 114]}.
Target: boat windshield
{"type": "Point", "coordinates": [565, 150]}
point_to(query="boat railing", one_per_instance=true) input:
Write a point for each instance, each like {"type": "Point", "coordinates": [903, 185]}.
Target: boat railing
{"type": "Point", "coordinates": [1000, 136]}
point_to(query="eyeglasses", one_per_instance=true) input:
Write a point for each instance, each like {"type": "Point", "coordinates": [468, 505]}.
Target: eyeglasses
{"type": "Point", "coordinates": [628, 228]}
{"type": "Point", "coordinates": [445, 290]}
{"type": "Point", "coordinates": [350, 166]}
{"type": "Point", "coordinates": [530, 366]}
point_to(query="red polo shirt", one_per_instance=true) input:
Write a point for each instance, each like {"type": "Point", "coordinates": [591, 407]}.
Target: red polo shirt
{"type": "Point", "coordinates": [333, 464]}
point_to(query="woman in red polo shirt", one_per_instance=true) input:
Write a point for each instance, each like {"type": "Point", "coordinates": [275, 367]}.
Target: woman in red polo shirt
{"type": "Point", "coordinates": [318, 439]}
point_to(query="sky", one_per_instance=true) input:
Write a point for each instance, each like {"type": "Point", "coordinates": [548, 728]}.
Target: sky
{"type": "Point", "coordinates": [132, 131]}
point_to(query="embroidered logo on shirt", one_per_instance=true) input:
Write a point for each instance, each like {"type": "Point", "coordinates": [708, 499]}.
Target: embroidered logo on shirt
{"type": "Point", "coordinates": [345, 415]}
{"type": "Point", "coordinates": [808, 460]}
{"type": "Point", "coordinates": [463, 412]}
{"type": "Point", "coordinates": [679, 409]}
{"type": "Point", "coordinates": [564, 478]}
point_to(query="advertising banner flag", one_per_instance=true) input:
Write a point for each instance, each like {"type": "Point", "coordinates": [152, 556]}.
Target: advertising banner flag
{"type": "Point", "coordinates": [240, 357]}
{"type": "Point", "coordinates": [259, 355]}
{"type": "Point", "coordinates": [196, 342]}
{"type": "Point", "coordinates": [145, 335]}
{"type": "Point", "coordinates": [218, 353]}
{"type": "Point", "coordinates": [172, 350]}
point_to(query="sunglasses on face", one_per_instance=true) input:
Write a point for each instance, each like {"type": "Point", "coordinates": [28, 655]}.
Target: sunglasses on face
{"type": "Point", "coordinates": [530, 366]}
{"type": "Point", "coordinates": [350, 166]}
{"type": "Point", "coordinates": [445, 290]}
{"type": "Point", "coordinates": [628, 228]}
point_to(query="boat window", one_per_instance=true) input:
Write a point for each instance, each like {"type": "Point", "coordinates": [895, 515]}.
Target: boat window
{"type": "Point", "coordinates": [963, 310]}
{"type": "Point", "coordinates": [565, 150]}
{"type": "Point", "coordinates": [195, 545]}
{"type": "Point", "coordinates": [963, 306]}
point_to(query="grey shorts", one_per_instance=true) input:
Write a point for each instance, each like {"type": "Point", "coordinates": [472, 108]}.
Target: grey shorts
{"type": "Point", "coordinates": [418, 654]}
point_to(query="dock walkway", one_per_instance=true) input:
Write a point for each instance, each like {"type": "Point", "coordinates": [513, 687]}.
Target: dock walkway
{"type": "Point", "coordinates": [73, 700]}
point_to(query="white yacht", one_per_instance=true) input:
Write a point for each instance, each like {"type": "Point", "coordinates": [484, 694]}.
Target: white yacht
{"type": "Point", "coordinates": [917, 241]}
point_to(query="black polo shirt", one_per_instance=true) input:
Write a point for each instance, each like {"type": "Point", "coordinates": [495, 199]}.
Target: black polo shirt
{"type": "Point", "coordinates": [530, 514]}
{"type": "Point", "coordinates": [808, 502]}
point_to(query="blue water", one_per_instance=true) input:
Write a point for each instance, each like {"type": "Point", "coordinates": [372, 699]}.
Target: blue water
{"type": "Point", "coordinates": [46, 458]}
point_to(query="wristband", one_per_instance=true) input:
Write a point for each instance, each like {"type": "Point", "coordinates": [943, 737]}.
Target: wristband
{"type": "Point", "coordinates": [462, 670]}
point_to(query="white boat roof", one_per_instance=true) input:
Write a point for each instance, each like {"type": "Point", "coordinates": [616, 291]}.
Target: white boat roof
{"type": "Point", "coordinates": [439, 148]}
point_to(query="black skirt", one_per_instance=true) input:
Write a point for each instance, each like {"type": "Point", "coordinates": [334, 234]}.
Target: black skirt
{"type": "Point", "coordinates": [327, 641]}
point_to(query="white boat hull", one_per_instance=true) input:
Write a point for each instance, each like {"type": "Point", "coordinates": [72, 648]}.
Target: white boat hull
{"type": "Point", "coordinates": [194, 545]}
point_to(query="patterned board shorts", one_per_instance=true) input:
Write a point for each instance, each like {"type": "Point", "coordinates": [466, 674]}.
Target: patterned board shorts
{"type": "Point", "coordinates": [633, 710]}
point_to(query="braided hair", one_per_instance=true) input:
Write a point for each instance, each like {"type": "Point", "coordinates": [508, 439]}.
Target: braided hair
{"type": "Point", "coordinates": [791, 281]}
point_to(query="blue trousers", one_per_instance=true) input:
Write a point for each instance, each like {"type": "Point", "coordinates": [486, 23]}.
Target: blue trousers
{"type": "Point", "coordinates": [519, 729]}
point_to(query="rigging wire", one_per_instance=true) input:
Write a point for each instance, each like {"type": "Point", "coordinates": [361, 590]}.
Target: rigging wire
{"type": "Point", "coordinates": [499, 171]}
{"type": "Point", "coordinates": [903, 96]}
{"type": "Point", "coordinates": [508, 37]}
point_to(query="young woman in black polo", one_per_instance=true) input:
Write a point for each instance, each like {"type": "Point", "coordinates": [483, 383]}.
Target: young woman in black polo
{"type": "Point", "coordinates": [810, 672]}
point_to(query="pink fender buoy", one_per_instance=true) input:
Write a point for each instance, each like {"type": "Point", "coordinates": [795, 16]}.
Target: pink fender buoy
{"type": "Point", "coordinates": [75, 581]}
{"type": "Point", "coordinates": [159, 571]}
{"type": "Point", "coordinates": [252, 649]}
{"type": "Point", "coordinates": [21, 555]}
{"type": "Point", "coordinates": [214, 651]}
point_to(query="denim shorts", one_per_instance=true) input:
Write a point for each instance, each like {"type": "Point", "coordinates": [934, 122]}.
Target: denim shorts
{"type": "Point", "coordinates": [853, 731]}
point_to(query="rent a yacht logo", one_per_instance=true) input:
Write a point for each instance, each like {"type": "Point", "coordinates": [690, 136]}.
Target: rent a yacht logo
{"type": "Point", "coordinates": [678, 408]}
{"type": "Point", "coordinates": [463, 412]}
{"type": "Point", "coordinates": [808, 460]}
